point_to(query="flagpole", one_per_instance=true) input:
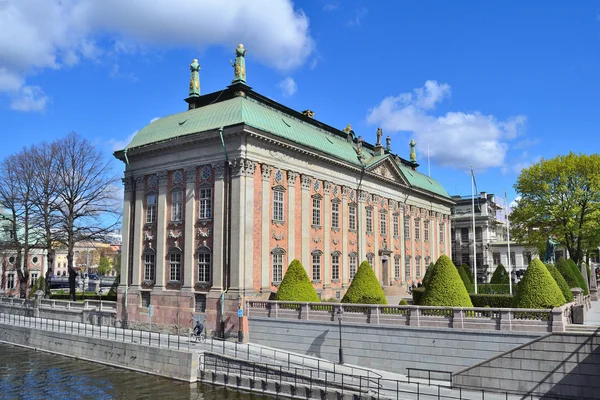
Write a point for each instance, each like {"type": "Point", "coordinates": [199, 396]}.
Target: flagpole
{"type": "Point", "coordinates": [508, 237]}
{"type": "Point", "coordinates": [474, 241]}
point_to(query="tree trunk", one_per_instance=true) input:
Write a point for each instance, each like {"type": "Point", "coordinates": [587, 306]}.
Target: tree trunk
{"type": "Point", "coordinates": [49, 271]}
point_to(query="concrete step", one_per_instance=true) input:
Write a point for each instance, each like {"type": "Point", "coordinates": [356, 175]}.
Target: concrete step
{"type": "Point", "coordinates": [582, 328]}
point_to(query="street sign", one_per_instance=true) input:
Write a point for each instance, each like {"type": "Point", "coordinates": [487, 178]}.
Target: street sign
{"type": "Point", "coordinates": [240, 313]}
{"type": "Point", "coordinates": [150, 310]}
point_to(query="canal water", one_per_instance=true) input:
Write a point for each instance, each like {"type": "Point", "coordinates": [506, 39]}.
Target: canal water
{"type": "Point", "coordinates": [26, 374]}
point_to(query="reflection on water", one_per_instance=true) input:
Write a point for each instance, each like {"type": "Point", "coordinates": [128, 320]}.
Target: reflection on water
{"type": "Point", "coordinates": [27, 374]}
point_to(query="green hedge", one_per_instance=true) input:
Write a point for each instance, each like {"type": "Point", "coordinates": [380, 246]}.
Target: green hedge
{"type": "Point", "coordinates": [500, 275]}
{"type": "Point", "coordinates": [428, 273]}
{"type": "Point", "coordinates": [417, 295]}
{"type": "Point", "coordinates": [446, 288]}
{"type": "Point", "coordinates": [296, 286]}
{"type": "Point", "coordinates": [469, 273]}
{"type": "Point", "coordinates": [560, 281]}
{"type": "Point", "coordinates": [538, 289]}
{"type": "Point", "coordinates": [365, 288]}
{"type": "Point", "coordinates": [492, 300]}
{"type": "Point", "coordinates": [565, 270]}
{"type": "Point", "coordinates": [465, 278]}
{"type": "Point", "coordinates": [577, 273]}
{"type": "Point", "coordinates": [490, 288]}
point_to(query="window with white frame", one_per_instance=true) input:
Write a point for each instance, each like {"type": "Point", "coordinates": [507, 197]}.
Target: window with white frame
{"type": "Point", "coordinates": [370, 258]}
{"type": "Point", "coordinates": [383, 224]}
{"type": "Point", "coordinates": [353, 259]}
{"type": "Point", "coordinates": [149, 266]}
{"type": "Point", "coordinates": [205, 203]}
{"type": "Point", "coordinates": [175, 265]}
{"type": "Point", "coordinates": [150, 208]}
{"type": "Point", "coordinates": [335, 266]}
{"type": "Point", "coordinates": [442, 229]}
{"type": "Point", "coordinates": [316, 212]}
{"type": "Point", "coordinates": [176, 205]}
{"type": "Point", "coordinates": [426, 230]}
{"type": "Point", "coordinates": [407, 272]}
{"type": "Point", "coordinates": [397, 267]}
{"type": "Point", "coordinates": [417, 229]}
{"type": "Point", "coordinates": [513, 260]}
{"type": "Point", "coordinates": [418, 266]}
{"type": "Point", "coordinates": [277, 264]}
{"type": "Point", "coordinates": [10, 280]}
{"type": "Point", "coordinates": [369, 220]}
{"type": "Point", "coordinates": [396, 225]}
{"type": "Point", "coordinates": [316, 266]}
{"type": "Point", "coordinates": [352, 218]}
{"type": "Point", "coordinates": [204, 265]}
{"type": "Point", "coordinates": [496, 258]}
{"type": "Point", "coordinates": [335, 214]}
{"type": "Point", "coordinates": [33, 277]}
{"type": "Point", "coordinates": [278, 205]}
{"type": "Point", "coordinates": [406, 227]}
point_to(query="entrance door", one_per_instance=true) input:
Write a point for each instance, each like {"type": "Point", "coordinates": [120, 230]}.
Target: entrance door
{"type": "Point", "coordinates": [385, 271]}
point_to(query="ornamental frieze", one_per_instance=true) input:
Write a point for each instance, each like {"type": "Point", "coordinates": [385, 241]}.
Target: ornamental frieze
{"type": "Point", "coordinates": [278, 236]}
{"type": "Point", "coordinates": [203, 232]}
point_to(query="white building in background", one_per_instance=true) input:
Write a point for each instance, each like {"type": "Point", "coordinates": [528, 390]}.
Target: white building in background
{"type": "Point", "coordinates": [490, 236]}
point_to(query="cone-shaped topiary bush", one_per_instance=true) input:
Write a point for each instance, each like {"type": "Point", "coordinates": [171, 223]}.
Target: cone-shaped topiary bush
{"type": "Point", "coordinates": [365, 288]}
{"type": "Point", "coordinates": [565, 270]}
{"type": "Point", "coordinates": [538, 289]}
{"type": "Point", "coordinates": [469, 273]}
{"type": "Point", "coordinates": [577, 273]}
{"type": "Point", "coordinates": [465, 278]}
{"type": "Point", "coordinates": [560, 281]}
{"type": "Point", "coordinates": [500, 276]}
{"type": "Point", "coordinates": [428, 273]}
{"type": "Point", "coordinates": [296, 286]}
{"type": "Point", "coordinates": [446, 288]}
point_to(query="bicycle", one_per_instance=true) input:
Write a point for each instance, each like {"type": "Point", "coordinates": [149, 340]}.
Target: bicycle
{"type": "Point", "coordinates": [197, 337]}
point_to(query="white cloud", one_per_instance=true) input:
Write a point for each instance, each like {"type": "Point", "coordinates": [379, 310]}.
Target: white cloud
{"type": "Point", "coordinates": [117, 144]}
{"type": "Point", "coordinates": [288, 86]}
{"type": "Point", "coordinates": [29, 98]}
{"type": "Point", "coordinates": [456, 139]}
{"type": "Point", "coordinates": [38, 35]}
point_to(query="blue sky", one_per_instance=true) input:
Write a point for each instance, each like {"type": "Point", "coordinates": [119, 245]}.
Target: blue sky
{"type": "Point", "coordinates": [496, 85]}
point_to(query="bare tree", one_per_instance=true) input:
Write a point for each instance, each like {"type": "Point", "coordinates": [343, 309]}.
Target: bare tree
{"type": "Point", "coordinates": [87, 196]}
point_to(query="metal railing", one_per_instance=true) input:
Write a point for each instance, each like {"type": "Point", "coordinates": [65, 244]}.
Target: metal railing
{"type": "Point", "coordinates": [93, 305]}
{"type": "Point", "coordinates": [421, 371]}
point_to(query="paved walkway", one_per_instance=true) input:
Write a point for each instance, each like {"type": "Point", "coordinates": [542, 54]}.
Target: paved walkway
{"type": "Point", "coordinates": [592, 316]}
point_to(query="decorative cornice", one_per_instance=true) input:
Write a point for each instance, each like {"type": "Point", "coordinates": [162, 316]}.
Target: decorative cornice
{"type": "Point", "coordinates": [250, 168]}
{"type": "Point", "coordinates": [306, 180]}
{"type": "Point", "coordinates": [266, 171]}
{"type": "Point", "coordinates": [326, 187]}
{"type": "Point", "coordinates": [292, 176]}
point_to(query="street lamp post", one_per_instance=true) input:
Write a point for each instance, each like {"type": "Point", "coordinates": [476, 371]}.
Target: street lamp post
{"type": "Point", "coordinates": [240, 317]}
{"type": "Point", "coordinates": [339, 314]}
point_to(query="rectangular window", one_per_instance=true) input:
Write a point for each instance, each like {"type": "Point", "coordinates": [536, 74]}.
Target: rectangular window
{"type": "Point", "coordinates": [277, 267]}
{"type": "Point", "coordinates": [417, 229]}
{"type": "Point", "coordinates": [479, 258]}
{"type": "Point", "coordinates": [335, 267]}
{"type": "Point", "coordinates": [464, 235]}
{"type": "Point", "coordinates": [204, 267]}
{"type": "Point", "coordinates": [369, 220]}
{"type": "Point", "coordinates": [316, 212]}
{"type": "Point", "coordinates": [407, 268]}
{"type": "Point", "coordinates": [149, 263]}
{"type": "Point", "coordinates": [335, 215]}
{"type": "Point", "coordinates": [32, 278]}
{"type": "Point", "coordinates": [382, 224]}
{"type": "Point", "coordinates": [496, 258]}
{"type": "Point", "coordinates": [175, 266]}
{"type": "Point", "coordinates": [426, 231]}
{"type": "Point", "coordinates": [526, 258]}
{"type": "Point", "coordinates": [352, 266]}
{"type": "Point", "coordinates": [512, 258]}
{"type": "Point", "coordinates": [316, 267]}
{"type": "Point", "coordinates": [200, 303]}
{"type": "Point", "coordinates": [352, 218]}
{"type": "Point", "coordinates": [406, 228]}
{"type": "Point", "coordinates": [176, 205]}
{"type": "Point", "coordinates": [396, 227]}
{"type": "Point", "coordinates": [418, 266]}
{"type": "Point", "coordinates": [370, 259]}
{"type": "Point", "coordinates": [145, 299]}
{"type": "Point", "coordinates": [205, 197]}
{"type": "Point", "coordinates": [278, 205]}
{"type": "Point", "coordinates": [441, 232]}
{"type": "Point", "coordinates": [150, 208]}
{"type": "Point", "coordinates": [478, 234]}
{"type": "Point", "coordinates": [397, 268]}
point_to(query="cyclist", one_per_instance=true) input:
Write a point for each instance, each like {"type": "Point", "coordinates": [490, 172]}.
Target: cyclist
{"type": "Point", "coordinates": [198, 330]}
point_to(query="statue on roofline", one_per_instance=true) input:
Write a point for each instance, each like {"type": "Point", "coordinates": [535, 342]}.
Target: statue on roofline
{"type": "Point", "coordinates": [239, 65]}
{"type": "Point", "coordinates": [413, 153]}
{"type": "Point", "coordinates": [195, 78]}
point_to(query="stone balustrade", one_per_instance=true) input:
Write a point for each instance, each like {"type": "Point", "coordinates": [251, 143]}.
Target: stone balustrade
{"type": "Point", "coordinates": [490, 319]}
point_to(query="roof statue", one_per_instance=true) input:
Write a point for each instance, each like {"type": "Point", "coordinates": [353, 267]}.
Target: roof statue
{"type": "Point", "coordinates": [348, 129]}
{"type": "Point", "coordinates": [360, 144]}
{"type": "Point", "coordinates": [388, 143]}
{"type": "Point", "coordinates": [379, 135]}
{"type": "Point", "coordinates": [413, 152]}
{"type": "Point", "coordinates": [195, 78]}
{"type": "Point", "coordinates": [239, 65]}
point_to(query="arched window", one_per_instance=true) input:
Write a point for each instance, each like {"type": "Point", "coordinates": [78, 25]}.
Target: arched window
{"type": "Point", "coordinates": [204, 264]}
{"type": "Point", "coordinates": [175, 264]}
{"type": "Point", "coordinates": [177, 205]}
{"type": "Point", "coordinates": [149, 265]}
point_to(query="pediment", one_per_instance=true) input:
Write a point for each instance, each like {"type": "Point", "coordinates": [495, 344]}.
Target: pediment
{"type": "Point", "coordinates": [387, 169]}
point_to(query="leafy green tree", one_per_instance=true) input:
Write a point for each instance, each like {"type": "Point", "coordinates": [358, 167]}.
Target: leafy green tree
{"type": "Point", "coordinates": [446, 288]}
{"type": "Point", "coordinates": [465, 278]}
{"type": "Point", "coordinates": [500, 276]}
{"type": "Point", "coordinates": [103, 266]}
{"type": "Point", "coordinates": [560, 281]}
{"type": "Point", "coordinates": [577, 274]}
{"type": "Point", "coordinates": [296, 286]}
{"type": "Point", "coordinates": [538, 289]}
{"type": "Point", "coordinates": [365, 288]}
{"type": "Point", "coordinates": [559, 197]}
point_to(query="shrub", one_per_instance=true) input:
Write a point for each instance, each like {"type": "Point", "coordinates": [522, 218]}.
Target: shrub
{"type": "Point", "coordinates": [560, 281]}
{"type": "Point", "coordinates": [403, 302]}
{"type": "Point", "coordinates": [577, 273]}
{"type": "Point", "coordinates": [428, 273]}
{"type": "Point", "coordinates": [538, 289]}
{"type": "Point", "coordinates": [296, 286]}
{"type": "Point", "coordinates": [39, 284]}
{"type": "Point", "coordinates": [492, 300]}
{"type": "Point", "coordinates": [446, 287]}
{"type": "Point", "coordinates": [469, 273]}
{"type": "Point", "coordinates": [465, 278]}
{"type": "Point", "coordinates": [565, 270]}
{"type": "Point", "coordinates": [365, 288]}
{"type": "Point", "coordinates": [500, 275]}
{"type": "Point", "coordinates": [492, 288]}
{"type": "Point", "coordinates": [417, 295]}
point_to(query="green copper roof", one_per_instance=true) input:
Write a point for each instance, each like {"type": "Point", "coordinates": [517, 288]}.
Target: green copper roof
{"type": "Point", "coordinates": [253, 113]}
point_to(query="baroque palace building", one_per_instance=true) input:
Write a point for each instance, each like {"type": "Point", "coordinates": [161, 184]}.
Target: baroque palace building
{"type": "Point", "coordinates": [219, 199]}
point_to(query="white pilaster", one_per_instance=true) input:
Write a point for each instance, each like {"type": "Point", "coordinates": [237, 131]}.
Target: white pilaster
{"type": "Point", "coordinates": [161, 229]}
{"type": "Point", "coordinates": [291, 213]}
{"type": "Point", "coordinates": [345, 260]}
{"type": "Point", "coordinates": [125, 232]}
{"type": "Point", "coordinates": [306, 219]}
{"type": "Point", "coordinates": [138, 230]}
{"type": "Point", "coordinates": [326, 223]}
{"type": "Point", "coordinates": [189, 277]}
{"type": "Point", "coordinates": [238, 233]}
{"type": "Point", "coordinates": [218, 227]}
{"type": "Point", "coordinates": [361, 228]}
{"type": "Point", "coordinates": [266, 224]}
{"type": "Point", "coordinates": [250, 167]}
